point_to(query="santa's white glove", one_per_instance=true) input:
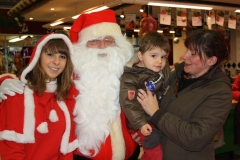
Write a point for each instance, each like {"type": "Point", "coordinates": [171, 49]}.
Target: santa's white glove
{"type": "Point", "coordinates": [9, 87]}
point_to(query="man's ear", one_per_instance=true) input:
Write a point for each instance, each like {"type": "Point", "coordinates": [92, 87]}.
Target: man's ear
{"type": "Point", "coordinates": [139, 55]}
{"type": "Point", "coordinates": [212, 60]}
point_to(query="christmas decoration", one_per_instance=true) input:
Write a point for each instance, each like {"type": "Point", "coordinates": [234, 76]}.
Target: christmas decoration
{"type": "Point", "coordinates": [147, 24]}
{"type": "Point", "coordinates": [15, 20]}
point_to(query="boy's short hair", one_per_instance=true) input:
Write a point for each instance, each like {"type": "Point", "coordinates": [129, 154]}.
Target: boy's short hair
{"type": "Point", "coordinates": [152, 40]}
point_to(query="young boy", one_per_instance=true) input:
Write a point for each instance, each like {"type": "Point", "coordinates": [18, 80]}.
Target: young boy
{"type": "Point", "coordinates": [151, 70]}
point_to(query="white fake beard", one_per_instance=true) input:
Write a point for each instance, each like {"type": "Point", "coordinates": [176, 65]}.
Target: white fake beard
{"type": "Point", "coordinates": [98, 101]}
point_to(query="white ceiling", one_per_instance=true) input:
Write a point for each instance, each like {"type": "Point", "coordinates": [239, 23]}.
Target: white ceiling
{"type": "Point", "coordinates": [69, 8]}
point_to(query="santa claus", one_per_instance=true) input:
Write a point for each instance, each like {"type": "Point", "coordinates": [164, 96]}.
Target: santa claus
{"type": "Point", "coordinates": [100, 53]}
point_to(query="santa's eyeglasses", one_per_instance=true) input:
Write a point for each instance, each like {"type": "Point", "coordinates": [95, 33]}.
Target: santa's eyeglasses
{"type": "Point", "coordinates": [101, 42]}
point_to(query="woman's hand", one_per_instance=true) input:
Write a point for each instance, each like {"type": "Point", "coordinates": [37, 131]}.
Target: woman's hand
{"type": "Point", "coordinates": [148, 101]}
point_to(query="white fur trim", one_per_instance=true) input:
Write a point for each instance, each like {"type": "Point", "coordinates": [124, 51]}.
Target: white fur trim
{"type": "Point", "coordinates": [117, 140]}
{"type": "Point", "coordinates": [39, 49]}
{"type": "Point", "coordinates": [43, 128]}
{"type": "Point", "coordinates": [64, 147]}
{"type": "Point", "coordinates": [51, 86]}
{"type": "Point", "coordinates": [8, 74]}
{"type": "Point", "coordinates": [29, 122]}
{"type": "Point", "coordinates": [53, 116]}
{"type": "Point", "coordinates": [72, 145]}
{"type": "Point", "coordinates": [99, 30]}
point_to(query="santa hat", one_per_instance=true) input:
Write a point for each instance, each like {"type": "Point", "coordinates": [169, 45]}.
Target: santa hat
{"type": "Point", "coordinates": [95, 24]}
{"type": "Point", "coordinates": [37, 51]}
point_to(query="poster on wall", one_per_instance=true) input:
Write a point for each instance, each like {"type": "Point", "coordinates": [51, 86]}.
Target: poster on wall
{"type": "Point", "coordinates": [220, 18]}
{"type": "Point", "coordinates": [165, 15]}
{"type": "Point", "coordinates": [130, 21]}
{"type": "Point", "coordinates": [196, 18]}
{"type": "Point", "coordinates": [232, 20]}
{"type": "Point", "coordinates": [211, 14]}
{"type": "Point", "coordinates": [181, 17]}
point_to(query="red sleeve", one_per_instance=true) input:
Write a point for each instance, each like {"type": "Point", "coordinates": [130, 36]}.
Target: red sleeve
{"type": "Point", "coordinates": [236, 88]}
{"type": "Point", "coordinates": [11, 118]}
{"type": "Point", "coordinates": [11, 150]}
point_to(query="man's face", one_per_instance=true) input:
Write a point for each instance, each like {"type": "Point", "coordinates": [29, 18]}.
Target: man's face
{"type": "Point", "coordinates": [101, 43]}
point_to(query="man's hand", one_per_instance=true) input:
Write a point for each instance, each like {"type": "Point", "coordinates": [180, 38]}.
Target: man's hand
{"type": "Point", "coordinates": [9, 87]}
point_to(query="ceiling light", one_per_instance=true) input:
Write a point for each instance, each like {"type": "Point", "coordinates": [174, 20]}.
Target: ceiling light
{"type": "Point", "coordinates": [31, 18]}
{"type": "Point", "coordinates": [67, 27]}
{"type": "Point", "coordinates": [52, 9]}
{"type": "Point", "coordinates": [56, 23]}
{"type": "Point", "coordinates": [75, 17]}
{"type": "Point", "coordinates": [122, 14]}
{"type": "Point", "coordinates": [98, 9]}
{"type": "Point", "coordinates": [19, 38]}
{"type": "Point", "coordinates": [238, 10]}
{"type": "Point", "coordinates": [172, 30]}
{"type": "Point", "coordinates": [160, 31]}
{"type": "Point", "coordinates": [178, 5]}
{"type": "Point", "coordinates": [136, 30]}
{"type": "Point", "coordinates": [141, 9]}
{"type": "Point", "coordinates": [94, 10]}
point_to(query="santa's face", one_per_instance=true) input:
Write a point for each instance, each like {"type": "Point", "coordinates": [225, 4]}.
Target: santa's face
{"type": "Point", "coordinates": [108, 60]}
{"type": "Point", "coordinates": [107, 53]}
{"type": "Point", "coordinates": [101, 42]}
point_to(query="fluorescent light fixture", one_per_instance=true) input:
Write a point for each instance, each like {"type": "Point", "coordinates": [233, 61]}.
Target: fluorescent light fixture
{"type": "Point", "coordinates": [179, 5]}
{"type": "Point", "coordinates": [141, 9]}
{"type": "Point", "coordinates": [75, 17]}
{"type": "Point", "coordinates": [171, 31]}
{"type": "Point", "coordinates": [98, 9]}
{"type": "Point", "coordinates": [159, 31]}
{"type": "Point", "coordinates": [66, 28]}
{"type": "Point", "coordinates": [18, 38]}
{"type": "Point", "coordinates": [238, 10]}
{"type": "Point", "coordinates": [56, 23]}
{"type": "Point", "coordinates": [122, 14]}
{"type": "Point", "coordinates": [94, 10]}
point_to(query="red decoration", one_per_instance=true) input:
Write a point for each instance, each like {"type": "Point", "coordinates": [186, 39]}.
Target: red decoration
{"type": "Point", "coordinates": [148, 24]}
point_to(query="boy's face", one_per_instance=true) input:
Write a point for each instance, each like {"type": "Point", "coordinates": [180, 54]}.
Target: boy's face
{"type": "Point", "coordinates": [154, 59]}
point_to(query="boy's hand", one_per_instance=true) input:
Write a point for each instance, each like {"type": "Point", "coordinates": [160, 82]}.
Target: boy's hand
{"type": "Point", "coordinates": [146, 130]}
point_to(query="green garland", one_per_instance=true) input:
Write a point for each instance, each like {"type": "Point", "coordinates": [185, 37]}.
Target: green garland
{"type": "Point", "coordinates": [13, 21]}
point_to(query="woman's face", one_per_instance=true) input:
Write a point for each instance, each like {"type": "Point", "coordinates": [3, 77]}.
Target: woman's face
{"type": "Point", "coordinates": [53, 64]}
{"type": "Point", "coordinates": [194, 65]}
